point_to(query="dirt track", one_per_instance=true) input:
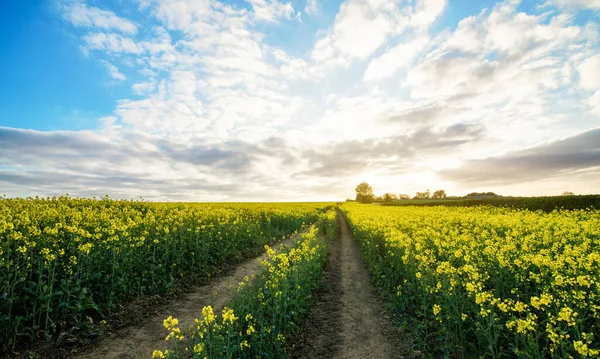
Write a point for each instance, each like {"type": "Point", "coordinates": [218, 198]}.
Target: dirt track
{"type": "Point", "coordinates": [141, 340]}
{"type": "Point", "coordinates": [347, 318]}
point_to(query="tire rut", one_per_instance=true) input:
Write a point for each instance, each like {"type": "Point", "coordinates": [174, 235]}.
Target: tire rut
{"type": "Point", "coordinates": [139, 341]}
{"type": "Point", "coordinates": [348, 319]}
{"type": "Point", "coordinates": [320, 335]}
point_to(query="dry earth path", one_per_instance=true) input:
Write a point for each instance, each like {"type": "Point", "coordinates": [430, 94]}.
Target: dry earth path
{"type": "Point", "coordinates": [139, 341]}
{"type": "Point", "coordinates": [347, 318]}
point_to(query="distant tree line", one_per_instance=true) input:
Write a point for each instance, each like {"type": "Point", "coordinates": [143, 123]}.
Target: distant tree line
{"type": "Point", "coordinates": [364, 194]}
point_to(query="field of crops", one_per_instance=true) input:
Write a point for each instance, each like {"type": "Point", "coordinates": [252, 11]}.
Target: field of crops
{"type": "Point", "coordinates": [546, 204]}
{"type": "Point", "coordinates": [485, 281]}
{"type": "Point", "coordinates": [66, 263]}
{"type": "Point", "coordinates": [489, 282]}
{"type": "Point", "coordinates": [258, 320]}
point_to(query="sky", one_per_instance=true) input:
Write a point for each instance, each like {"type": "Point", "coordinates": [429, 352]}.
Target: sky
{"type": "Point", "coordinates": [262, 100]}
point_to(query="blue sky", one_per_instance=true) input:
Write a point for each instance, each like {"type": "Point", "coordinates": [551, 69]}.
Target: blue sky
{"type": "Point", "coordinates": [269, 100]}
{"type": "Point", "coordinates": [49, 84]}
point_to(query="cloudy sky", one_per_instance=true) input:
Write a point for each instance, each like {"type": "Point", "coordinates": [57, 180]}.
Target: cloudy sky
{"type": "Point", "coordinates": [265, 100]}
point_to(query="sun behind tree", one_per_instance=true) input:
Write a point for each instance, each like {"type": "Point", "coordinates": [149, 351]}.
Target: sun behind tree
{"type": "Point", "coordinates": [364, 193]}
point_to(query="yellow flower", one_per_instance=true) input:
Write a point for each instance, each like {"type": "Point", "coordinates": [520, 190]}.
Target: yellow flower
{"type": "Point", "coordinates": [170, 322]}
{"type": "Point", "coordinates": [436, 309]}
{"type": "Point", "coordinates": [581, 347]}
{"type": "Point", "coordinates": [566, 315]}
{"type": "Point", "coordinates": [510, 324]}
{"type": "Point", "coordinates": [470, 287]}
{"type": "Point", "coordinates": [176, 334]}
{"type": "Point", "coordinates": [85, 248]}
{"type": "Point", "coordinates": [157, 354]}
{"type": "Point", "coordinates": [228, 316]}
{"type": "Point", "coordinates": [250, 330]}
{"type": "Point", "coordinates": [207, 313]}
{"type": "Point", "coordinates": [520, 307]}
{"type": "Point", "coordinates": [503, 307]}
{"type": "Point", "coordinates": [198, 348]}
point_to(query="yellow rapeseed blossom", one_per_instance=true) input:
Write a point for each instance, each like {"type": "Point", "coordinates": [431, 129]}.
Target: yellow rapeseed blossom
{"type": "Point", "coordinates": [158, 354]}
{"type": "Point", "coordinates": [170, 322]}
{"type": "Point", "coordinates": [208, 314]}
{"type": "Point", "coordinates": [175, 334]}
{"type": "Point", "coordinates": [250, 330]}
{"type": "Point", "coordinates": [520, 307]}
{"type": "Point", "coordinates": [533, 274]}
{"type": "Point", "coordinates": [581, 347]}
{"type": "Point", "coordinates": [198, 348]}
{"type": "Point", "coordinates": [228, 316]}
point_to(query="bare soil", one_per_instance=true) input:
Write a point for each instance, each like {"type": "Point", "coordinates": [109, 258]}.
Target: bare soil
{"type": "Point", "coordinates": [139, 341]}
{"type": "Point", "coordinates": [347, 318]}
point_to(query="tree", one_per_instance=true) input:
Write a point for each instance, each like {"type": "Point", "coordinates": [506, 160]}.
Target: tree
{"type": "Point", "coordinates": [364, 193]}
{"type": "Point", "coordinates": [568, 193]}
{"type": "Point", "coordinates": [439, 194]}
{"type": "Point", "coordinates": [388, 197]}
{"type": "Point", "coordinates": [403, 196]}
{"type": "Point", "coordinates": [482, 195]}
{"type": "Point", "coordinates": [422, 195]}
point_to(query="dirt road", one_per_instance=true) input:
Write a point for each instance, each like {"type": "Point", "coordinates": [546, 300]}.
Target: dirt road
{"type": "Point", "coordinates": [141, 340]}
{"type": "Point", "coordinates": [347, 319]}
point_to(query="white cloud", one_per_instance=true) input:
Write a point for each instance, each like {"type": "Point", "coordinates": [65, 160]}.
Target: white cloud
{"type": "Point", "coordinates": [79, 14]}
{"type": "Point", "coordinates": [143, 88]}
{"type": "Point", "coordinates": [292, 67]}
{"type": "Point", "coordinates": [467, 37]}
{"type": "Point", "coordinates": [148, 73]}
{"type": "Point", "coordinates": [594, 103]}
{"type": "Point", "coordinates": [505, 54]}
{"type": "Point", "coordinates": [576, 4]}
{"type": "Point", "coordinates": [400, 56]}
{"type": "Point", "coordinates": [271, 10]}
{"type": "Point", "coordinates": [589, 79]}
{"type": "Point", "coordinates": [113, 71]}
{"type": "Point", "coordinates": [361, 27]}
{"type": "Point", "coordinates": [173, 108]}
{"type": "Point", "coordinates": [359, 30]}
{"type": "Point", "coordinates": [427, 11]}
{"type": "Point", "coordinates": [311, 7]}
{"type": "Point", "coordinates": [589, 73]}
{"type": "Point", "coordinates": [111, 43]}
